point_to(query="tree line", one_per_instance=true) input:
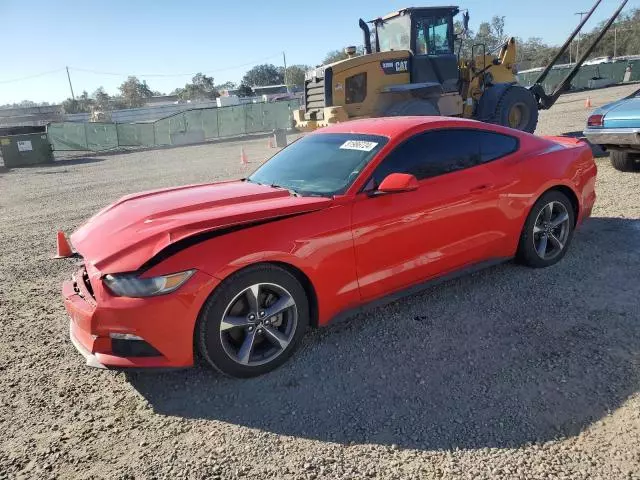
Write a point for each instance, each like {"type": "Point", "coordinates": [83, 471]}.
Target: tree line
{"type": "Point", "coordinates": [135, 93]}
{"type": "Point", "coordinates": [621, 39]}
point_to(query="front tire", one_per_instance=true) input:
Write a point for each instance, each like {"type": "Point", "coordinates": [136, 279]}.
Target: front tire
{"type": "Point", "coordinates": [517, 109]}
{"type": "Point", "coordinates": [624, 161]}
{"type": "Point", "coordinates": [547, 232]}
{"type": "Point", "coordinates": [253, 322]}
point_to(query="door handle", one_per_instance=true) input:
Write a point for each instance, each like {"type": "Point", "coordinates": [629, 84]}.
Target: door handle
{"type": "Point", "coordinates": [481, 188]}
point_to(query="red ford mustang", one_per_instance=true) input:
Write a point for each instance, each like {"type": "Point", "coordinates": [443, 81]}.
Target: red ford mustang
{"type": "Point", "coordinates": [356, 212]}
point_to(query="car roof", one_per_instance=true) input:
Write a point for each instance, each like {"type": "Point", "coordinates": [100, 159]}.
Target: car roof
{"type": "Point", "coordinates": [392, 127]}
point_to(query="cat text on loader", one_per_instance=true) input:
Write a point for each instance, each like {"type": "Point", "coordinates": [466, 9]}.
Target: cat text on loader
{"type": "Point", "coordinates": [412, 69]}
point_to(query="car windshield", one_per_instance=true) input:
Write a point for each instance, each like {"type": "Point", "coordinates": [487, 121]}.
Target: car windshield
{"type": "Point", "coordinates": [323, 164]}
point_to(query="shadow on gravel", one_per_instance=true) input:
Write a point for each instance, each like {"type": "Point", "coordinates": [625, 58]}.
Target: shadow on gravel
{"type": "Point", "coordinates": [500, 358]}
{"type": "Point", "coordinates": [63, 162]}
{"type": "Point", "coordinates": [59, 162]}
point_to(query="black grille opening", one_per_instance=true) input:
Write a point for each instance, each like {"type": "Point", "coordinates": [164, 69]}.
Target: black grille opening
{"type": "Point", "coordinates": [87, 283]}
{"type": "Point", "coordinates": [133, 348]}
{"type": "Point", "coordinates": [317, 95]}
{"type": "Point", "coordinates": [314, 98]}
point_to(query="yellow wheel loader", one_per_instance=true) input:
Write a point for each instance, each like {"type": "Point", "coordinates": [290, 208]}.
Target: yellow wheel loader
{"type": "Point", "coordinates": [410, 67]}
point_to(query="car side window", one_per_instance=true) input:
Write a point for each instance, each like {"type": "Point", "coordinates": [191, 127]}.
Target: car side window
{"type": "Point", "coordinates": [495, 145]}
{"type": "Point", "coordinates": [434, 153]}
{"type": "Point", "coordinates": [431, 154]}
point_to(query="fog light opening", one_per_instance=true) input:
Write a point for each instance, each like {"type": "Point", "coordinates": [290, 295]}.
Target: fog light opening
{"type": "Point", "coordinates": [124, 336]}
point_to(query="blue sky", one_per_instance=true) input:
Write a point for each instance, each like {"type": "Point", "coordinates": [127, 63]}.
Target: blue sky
{"type": "Point", "coordinates": [221, 38]}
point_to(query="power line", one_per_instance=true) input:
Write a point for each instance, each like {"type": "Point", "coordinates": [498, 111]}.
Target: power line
{"type": "Point", "coordinates": [32, 76]}
{"type": "Point", "coordinates": [97, 72]}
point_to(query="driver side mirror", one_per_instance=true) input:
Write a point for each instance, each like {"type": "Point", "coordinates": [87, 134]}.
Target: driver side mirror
{"type": "Point", "coordinates": [398, 182]}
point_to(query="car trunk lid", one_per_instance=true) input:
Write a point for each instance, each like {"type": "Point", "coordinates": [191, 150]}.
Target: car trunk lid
{"type": "Point", "coordinates": [625, 114]}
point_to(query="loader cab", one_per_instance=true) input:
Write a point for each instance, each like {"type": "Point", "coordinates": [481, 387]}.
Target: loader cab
{"type": "Point", "coordinates": [428, 33]}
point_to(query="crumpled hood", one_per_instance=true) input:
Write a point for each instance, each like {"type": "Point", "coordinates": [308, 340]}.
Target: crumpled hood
{"type": "Point", "coordinates": [126, 234]}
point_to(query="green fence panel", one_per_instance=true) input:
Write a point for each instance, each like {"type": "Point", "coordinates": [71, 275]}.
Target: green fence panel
{"type": "Point", "coordinates": [254, 121]}
{"type": "Point", "coordinates": [194, 122]}
{"type": "Point", "coordinates": [177, 124]}
{"type": "Point", "coordinates": [269, 120]}
{"type": "Point", "coordinates": [101, 136]}
{"type": "Point", "coordinates": [210, 123]}
{"type": "Point", "coordinates": [231, 121]}
{"type": "Point", "coordinates": [67, 136]}
{"type": "Point", "coordinates": [136, 134]}
{"type": "Point", "coordinates": [162, 131]}
{"type": "Point", "coordinates": [278, 115]}
{"type": "Point", "coordinates": [614, 71]}
{"type": "Point", "coordinates": [191, 126]}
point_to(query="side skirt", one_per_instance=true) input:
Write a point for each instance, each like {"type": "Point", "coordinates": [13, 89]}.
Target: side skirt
{"type": "Point", "coordinates": [411, 290]}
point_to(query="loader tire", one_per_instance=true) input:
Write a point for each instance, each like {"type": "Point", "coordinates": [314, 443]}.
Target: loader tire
{"type": "Point", "coordinates": [413, 107]}
{"type": "Point", "coordinates": [517, 108]}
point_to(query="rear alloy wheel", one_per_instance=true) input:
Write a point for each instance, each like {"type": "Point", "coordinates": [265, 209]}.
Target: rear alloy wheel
{"type": "Point", "coordinates": [253, 321]}
{"type": "Point", "coordinates": [624, 161]}
{"type": "Point", "coordinates": [547, 232]}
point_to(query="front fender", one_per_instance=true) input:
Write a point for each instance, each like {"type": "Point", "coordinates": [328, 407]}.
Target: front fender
{"type": "Point", "coordinates": [319, 244]}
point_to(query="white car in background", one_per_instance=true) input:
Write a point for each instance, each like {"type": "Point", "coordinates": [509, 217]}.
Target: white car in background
{"type": "Point", "coordinates": [598, 61]}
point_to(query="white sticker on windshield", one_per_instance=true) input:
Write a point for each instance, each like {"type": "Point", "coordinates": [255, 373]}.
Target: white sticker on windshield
{"type": "Point", "coordinates": [359, 145]}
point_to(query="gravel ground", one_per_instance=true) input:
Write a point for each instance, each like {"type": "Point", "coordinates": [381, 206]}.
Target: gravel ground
{"type": "Point", "coordinates": [509, 373]}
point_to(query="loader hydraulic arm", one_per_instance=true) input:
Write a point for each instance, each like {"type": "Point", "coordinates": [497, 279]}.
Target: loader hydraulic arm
{"type": "Point", "coordinates": [546, 101]}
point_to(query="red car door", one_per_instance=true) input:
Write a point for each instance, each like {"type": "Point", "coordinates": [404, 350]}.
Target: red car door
{"type": "Point", "coordinates": [450, 221]}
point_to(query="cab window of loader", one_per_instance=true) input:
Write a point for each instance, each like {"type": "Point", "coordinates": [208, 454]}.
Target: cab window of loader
{"type": "Point", "coordinates": [395, 33]}
{"type": "Point", "coordinates": [433, 36]}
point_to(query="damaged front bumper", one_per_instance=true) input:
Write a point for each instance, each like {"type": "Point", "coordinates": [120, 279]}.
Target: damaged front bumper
{"type": "Point", "coordinates": [124, 333]}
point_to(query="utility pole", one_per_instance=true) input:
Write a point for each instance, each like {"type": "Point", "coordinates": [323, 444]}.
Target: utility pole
{"type": "Point", "coordinates": [615, 39]}
{"type": "Point", "coordinates": [579, 33]}
{"type": "Point", "coordinates": [284, 60]}
{"type": "Point", "coordinates": [70, 86]}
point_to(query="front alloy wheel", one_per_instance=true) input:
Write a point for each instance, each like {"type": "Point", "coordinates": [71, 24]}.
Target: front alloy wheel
{"type": "Point", "coordinates": [258, 324]}
{"type": "Point", "coordinates": [253, 321]}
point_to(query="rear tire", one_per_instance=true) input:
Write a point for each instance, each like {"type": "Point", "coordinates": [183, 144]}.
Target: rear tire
{"type": "Point", "coordinates": [547, 232]}
{"type": "Point", "coordinates": [517, 109]}
{"type": "Point", "coordinates": [624, 161]}
{"type": "Point", "coordinates": [414, 107]}
{"type": "Point", "coordinates": [253, 322]}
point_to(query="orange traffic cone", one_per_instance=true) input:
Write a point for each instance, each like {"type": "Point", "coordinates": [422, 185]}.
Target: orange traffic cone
{"type": "Point", "coordinates": [243, 157]}
{"type": "Point", "coordinates": [587, 103]}
{"type": "Point", "coordinates": [64, 249]}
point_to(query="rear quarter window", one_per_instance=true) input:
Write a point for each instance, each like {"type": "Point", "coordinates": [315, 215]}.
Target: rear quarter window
{"type": "Point", "coordinates": [495, 145]}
